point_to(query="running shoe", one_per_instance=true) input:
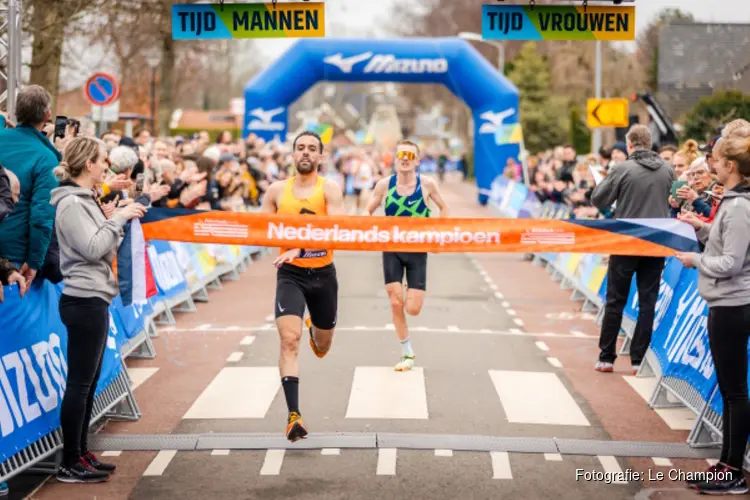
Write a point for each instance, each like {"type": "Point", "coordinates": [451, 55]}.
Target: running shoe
{"type": "Point", "coordinates": [406, 364]}
{"type": "Point", "coordinates": [602, 366]}
{"type": "Point", "coordinates": [81, 473]}
{"type": "Point", "coordinates": [318, 352]}
{"type": "Point", "coordinates": [295, 429]}
{"type": "Point", "coordinates": [94, 462]}
{"type": "Point", "coordinates": [711, 470]}
{"type": "Point", "coordinates": [727, 481]}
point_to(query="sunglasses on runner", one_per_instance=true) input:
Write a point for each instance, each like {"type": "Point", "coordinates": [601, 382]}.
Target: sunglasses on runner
{"type": "Point", "coordinates": [408, 155]}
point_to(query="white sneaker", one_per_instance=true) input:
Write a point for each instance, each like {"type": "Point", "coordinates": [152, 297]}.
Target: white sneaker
{"type": "Point", "coordinates": [406, 364]}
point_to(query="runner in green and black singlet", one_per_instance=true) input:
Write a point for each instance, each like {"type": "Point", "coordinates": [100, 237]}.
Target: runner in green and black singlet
{"type": "Point", "coordinates": [406, 194]}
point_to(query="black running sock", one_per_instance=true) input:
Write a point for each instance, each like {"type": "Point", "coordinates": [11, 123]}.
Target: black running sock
{"type": "Point", "coordinates": [291, 391]}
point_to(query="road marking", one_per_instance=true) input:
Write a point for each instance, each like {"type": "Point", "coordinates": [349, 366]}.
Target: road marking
{"type": "Point", "coordinates": [205, 326]}
{"type": "Point", "coordinates": [499, 295]}
{"type": "Point", "coordinates": [386, 462]}
{"type": "Point", "coordinates": [382, 392]}
{"type": "Point", "coordinates": [501, 465]}
{"type": "Point", "coordinates": [485, 330]}
{"type": "Point", "coordinates": [140, 375]}
{"type": "Point", "coordinates": [443, 453]}
{"type": "Point", "coordinates": [160, 463]}
{"type": "Point", "coordinates": [536, 398]}
{"type": "Point", "coordinates": [270, 318]}
{"type": "Point", "coordinates": [272, 463]}
{"type": "Point", "coordinates": [390, 326]}
{"type": "Point", "coordinates": [360, 328]}
{"type": "Point", "coordinates": [611, 466]}
{"type": "Point", "coordinates": [662, 462]}
{"type": "Point", "coordinates": [220, 452]}
{"type": "Point", "coordinates": [233, 328]}
{"type": "Point", "coordinates": [518, 321]}
{"type": "Point", "coordinates": [541, 345]}
{"type": "Point", "coordinates": [238, 392]}
{"type": "Point", "coordinates": [483, 274]}
{"type": "Point", "coordinates": [555, 362]}
{"type": "Point", "coordinates": [111, 453]}
{"type": "Point", "coordinates": [505, 304]}
{"type": "Point", "coordinates": [493, 287]}
{"type": "Point", "coordinates": [247, 340]}
{"type": "Point", "coordinates": [235, 356]}
{"type": "Point", "coordinates": [712, 461]}
{"type": "Point", "coordinates": [516, 331]}
{"type": "Point", "coordinates": [510, 312]}
{"type": "Point", "coordinates": [553, 457]}
{"type": "Point", "coordinates": [168, 329]}
{"type": "Point", "coordinates": [453, 328]}
{"type": "Point", "coordinates": [330, 451]}
{"type": "Point", "coordinates": [576, 333]}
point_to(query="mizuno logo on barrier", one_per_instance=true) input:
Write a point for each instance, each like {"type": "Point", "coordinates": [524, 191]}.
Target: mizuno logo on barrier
{"type": "Point", "coordinates": [387, 63]}
{"type": "Point", "coordinates": [33, 382]}
{"type": "Point", "coordinates": [494, 120]}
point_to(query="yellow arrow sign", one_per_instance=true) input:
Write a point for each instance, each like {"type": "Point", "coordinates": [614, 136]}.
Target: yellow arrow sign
{"type": "Point", "coordinates": [607, 113]}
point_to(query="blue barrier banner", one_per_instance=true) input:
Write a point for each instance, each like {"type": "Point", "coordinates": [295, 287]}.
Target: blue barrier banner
{"type": "Point", "coordinates": [33, 366]}
{"type": "Point", "coordinates": [132, 318]}
{"type": "Point", "coordinates": [170, 281]}
{"type": "Point", "coordinates": [683, 338]}
{"type": "Point", "coordinates": [111, 363]}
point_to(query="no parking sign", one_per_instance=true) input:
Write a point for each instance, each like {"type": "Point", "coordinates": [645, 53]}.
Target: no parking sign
{"type": "Point", "coordinates": [102, 89]}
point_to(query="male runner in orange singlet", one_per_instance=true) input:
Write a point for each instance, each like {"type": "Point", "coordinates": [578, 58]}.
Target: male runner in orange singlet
{"type": "Point", "coordinates": [304, 277]}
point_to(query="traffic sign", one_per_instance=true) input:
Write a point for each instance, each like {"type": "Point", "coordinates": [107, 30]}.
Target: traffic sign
{"type": "Point", "coordinates": [607, 113]}
{"type": "Point", "coordinates": [102, 89]}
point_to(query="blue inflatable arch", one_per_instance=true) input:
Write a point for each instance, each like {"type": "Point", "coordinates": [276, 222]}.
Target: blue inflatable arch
{"type": "Point", "coordinates": [452, 62]}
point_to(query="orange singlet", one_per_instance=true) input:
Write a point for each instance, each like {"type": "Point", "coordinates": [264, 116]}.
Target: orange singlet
{"type": "Point", "coordinates": [316, 205]}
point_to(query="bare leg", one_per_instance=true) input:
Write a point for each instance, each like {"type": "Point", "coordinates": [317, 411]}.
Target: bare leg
{"type": "Point", "coordinates": [396, 296]}
{"type": "Point", "coordinates": [323, 338]}
{"type": "Point", "coordinates": [414, 301]}
{"type": "Point", "coordinates": [290, 333]}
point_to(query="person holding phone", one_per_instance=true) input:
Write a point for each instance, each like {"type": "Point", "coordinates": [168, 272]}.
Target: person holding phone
{"type": "Point", "coordinates": [724, 283]}
{"type": "Point", "coordinates": [88, 241]}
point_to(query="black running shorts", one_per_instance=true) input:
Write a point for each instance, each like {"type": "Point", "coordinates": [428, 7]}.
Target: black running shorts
{"type": "Point", "coordinates": [318, 288]}
{"type": "Point", "coordinates": [415, 265]}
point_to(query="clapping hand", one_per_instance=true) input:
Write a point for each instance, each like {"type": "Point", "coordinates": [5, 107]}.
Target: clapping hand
{"type": "Point", "coordinates": [691, 219]}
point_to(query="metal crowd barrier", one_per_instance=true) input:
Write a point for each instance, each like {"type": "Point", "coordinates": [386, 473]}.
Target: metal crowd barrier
{"type": "Point", "coordinates": [117, 401]}
{"type": "Point", "coordinates": [670, 391]}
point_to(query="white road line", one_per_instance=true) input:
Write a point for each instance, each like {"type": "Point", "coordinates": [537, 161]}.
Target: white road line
{"type": "Point", "coordinates": [516, 331]}
{"type": "Point", "coordinates": [205, 326]}
{"type": "Point", "coordinates": [272, 463]}
{"type": "Point", "coordinates": [662, 462]}
{"type": "Point", "coordinates": [555, 362]}
{"type": "Point", "coordinates": [510, 312]}
{"type": "Point", "coordinates": [390, 326]}
{"type": "Point", "coordinates": [541, 345]}
{"type": "Point", "coordinates": [611, 466]}
{"type": "Point", "coordinates": [330, 451]}
{"type": "Point", "coordinates": [505, 304]}
{"type": "Point", "coordinates": [233, 328]}
{"type": "Point", "coordinates": [453, 328]}
{"type": "Point", "coordinates": [252, 388]}
{"type": "Point", "coordinates": [168, 329]}
{"type": "Point", "coordinates": [111, 453]}
{"type": "Point", "coordinates": [518, 321]}
{"type": "Point", "coordinates": [499, 295]}
{"type": "Point", "coordinates": [381, 392]}
{"type": "Point", "coordinates": [360, 328]}
{"type": "Point", "coordinates": [483, 274]}
{"type": "Point", "coordinates": [235, 356]}
{"type": "Point", "coordinates": [160, 463]}
{"type": "Point", "coordinates": [443, 453]}
{"type": "Point", "coordinates": [220, 452]}
{"type": "Point", "coordinates": [270, 318]}
{"type": "Point", "coordinates": [576, 333]}
{"type": "Point", "coordinates": [386, 462]}
{"type": "Point", "coordinates": [485, 330]}
{"type": "Point", "coordinates": [712, 461]}
{"type": "Point", "coordinates": [553, 457]}
{"type": "Point", "coordinates": [247, 340]}
{"type": "Point", "coordinates": [500, 465]}
{"type": "Point", "coordinates": [493, 287]}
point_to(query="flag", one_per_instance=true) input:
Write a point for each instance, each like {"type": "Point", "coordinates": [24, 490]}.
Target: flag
{"type": "Point", "coordinates": [134, 276]}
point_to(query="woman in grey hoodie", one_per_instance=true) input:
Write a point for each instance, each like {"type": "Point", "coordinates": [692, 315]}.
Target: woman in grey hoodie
{"type": "Point", "coordinates": [88, 242]}
{"type": "Point", "coordinates": [724, 282]}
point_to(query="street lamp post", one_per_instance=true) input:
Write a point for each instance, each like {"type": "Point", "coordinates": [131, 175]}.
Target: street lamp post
{"type": "Point", "coordinates": [153, 61]}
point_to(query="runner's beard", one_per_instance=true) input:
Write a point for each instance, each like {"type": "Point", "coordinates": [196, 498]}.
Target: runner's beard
{"type": "Point", "coordinates": [305, 167]}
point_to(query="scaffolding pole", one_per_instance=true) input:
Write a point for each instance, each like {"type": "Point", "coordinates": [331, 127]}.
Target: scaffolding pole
{"type": "Point", "coordinates": [10, 61]}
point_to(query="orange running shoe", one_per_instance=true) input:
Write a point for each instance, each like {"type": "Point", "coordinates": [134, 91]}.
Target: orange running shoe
{"type": "Point", "coordinates": [318, 352]}
{"type": "Point", "coordinates": [295, 429]}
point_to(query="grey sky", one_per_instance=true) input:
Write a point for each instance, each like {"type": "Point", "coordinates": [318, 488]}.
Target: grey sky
{"type": "Point", "coordinates": [342, 19]}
